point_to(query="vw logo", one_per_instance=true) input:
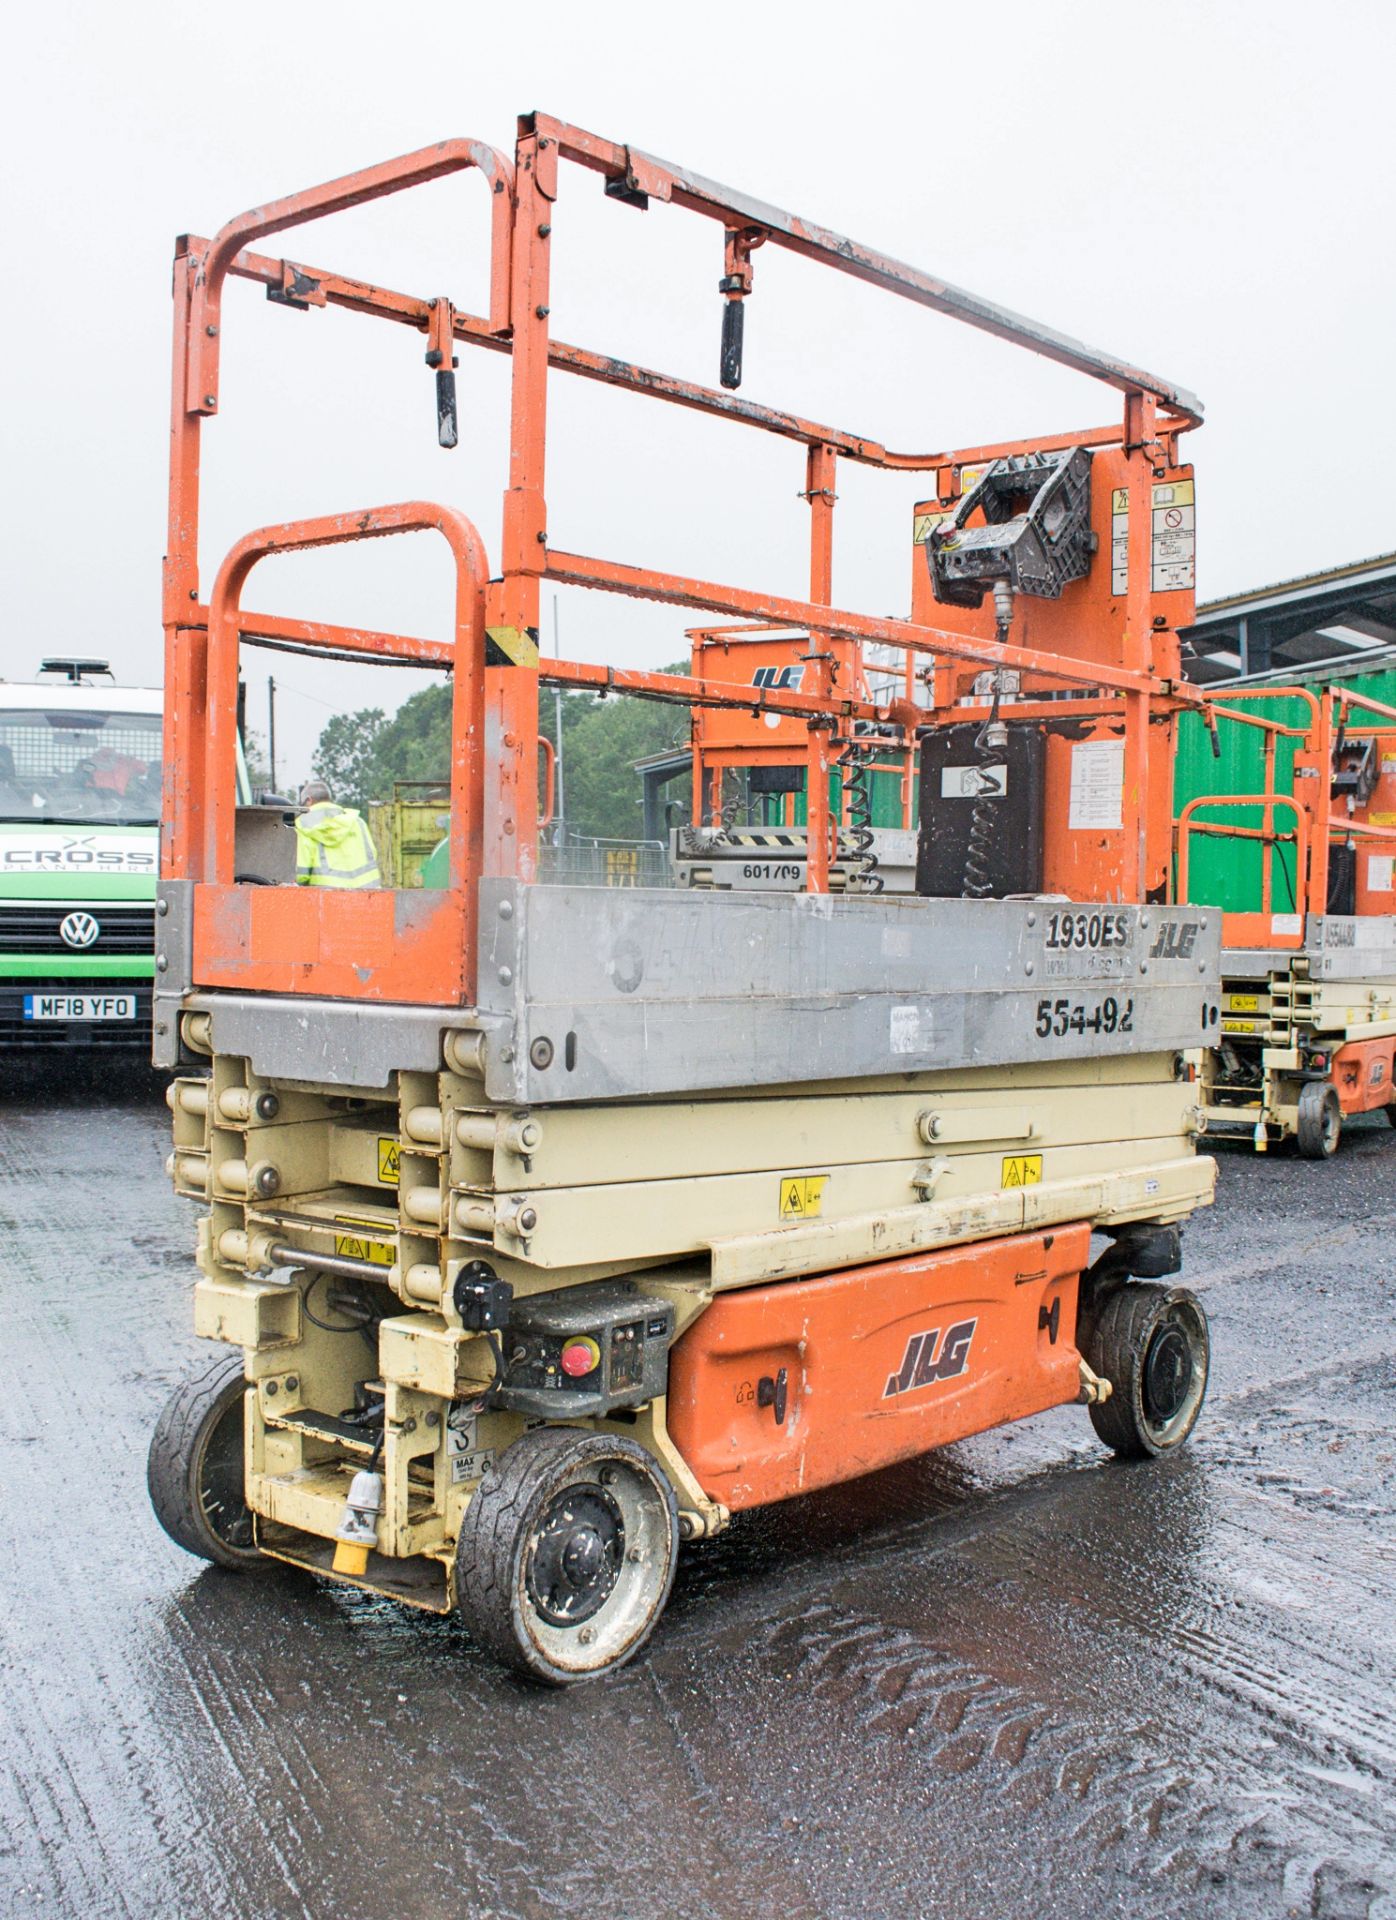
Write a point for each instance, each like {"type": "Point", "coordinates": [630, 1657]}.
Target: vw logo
{"type": "Point", "coordinates": [79, 929]}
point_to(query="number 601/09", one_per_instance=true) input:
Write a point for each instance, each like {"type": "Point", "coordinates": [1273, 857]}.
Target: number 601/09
{"type": "Point", "coordinates": [1060, 1017]}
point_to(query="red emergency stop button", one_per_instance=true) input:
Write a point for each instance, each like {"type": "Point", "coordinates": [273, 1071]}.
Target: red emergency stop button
{"type": "Point", "coordinates": [579, 1357]}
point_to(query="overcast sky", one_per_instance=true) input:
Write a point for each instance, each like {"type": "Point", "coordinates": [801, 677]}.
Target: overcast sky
{"type": "Point", "coordinates": [1205, 189]}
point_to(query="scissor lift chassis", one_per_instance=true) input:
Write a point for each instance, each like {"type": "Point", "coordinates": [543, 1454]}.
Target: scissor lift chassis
{"type": "Point", "coordinates": [649, 1074]}
{"type": "Point", "coordinates": [1335, 997]}
{"type": "Point", "coordinates": [807, 1181]}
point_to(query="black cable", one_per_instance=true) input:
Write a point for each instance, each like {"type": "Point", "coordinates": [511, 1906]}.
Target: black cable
{"type": "Point", "coordinates": [482, 1400]}
{"type": "Point", "coordinates": [368, 1315]}
{"type": "Point", "coordinates": [1289, 880]}
{"type": "Point", "coordinates": [983, 831]}
{"type": "Point", "coordinates": [854, 764]}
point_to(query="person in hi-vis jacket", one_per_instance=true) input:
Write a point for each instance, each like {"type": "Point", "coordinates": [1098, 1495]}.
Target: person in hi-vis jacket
{"type": "Point", "coordinates": [334, 847]}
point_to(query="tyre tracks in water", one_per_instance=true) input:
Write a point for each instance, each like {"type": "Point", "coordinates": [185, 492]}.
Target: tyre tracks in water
{"type": "Point", "coordinates": [1014, 1679]}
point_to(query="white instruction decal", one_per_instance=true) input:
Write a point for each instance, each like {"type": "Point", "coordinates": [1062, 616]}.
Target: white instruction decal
{"type": "Point", "coordinates": [469, 1460]}
{"type": "Point", "coordinates": [1175, 536]}
{"type": "Point", "coordinates": [1379, 868]}
{"type": "Point", "coordinates": [1286, 923]}
{"type": "Point", "coordinates": [1097, 784]}
{"type": "Point", "coordinates": [905, 1030]}
{"type": "Point", "coordinates": [968, 783]}
{"type": "Point", "coordinates": [1119, 540]}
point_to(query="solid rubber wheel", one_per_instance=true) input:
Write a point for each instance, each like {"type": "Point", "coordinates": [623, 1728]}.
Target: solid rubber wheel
{"type": "Point", "coordinates": [195, 1468]}
{"type": "Point", "coordinates": [567, 1553]}
{"type": "Point", "coordinates": [1320, 1123]}
{"type": "Point", "coordinates": [1151, 1344]}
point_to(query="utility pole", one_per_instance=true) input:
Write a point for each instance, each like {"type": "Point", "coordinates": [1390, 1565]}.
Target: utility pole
{"type": "Point", "coordinates": [560, 832]}
{"type": "Point", "coordinates": [271, 732]}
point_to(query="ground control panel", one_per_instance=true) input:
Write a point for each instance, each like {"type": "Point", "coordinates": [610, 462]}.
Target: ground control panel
{"type": "Point", "coordinates": [585, 1351]}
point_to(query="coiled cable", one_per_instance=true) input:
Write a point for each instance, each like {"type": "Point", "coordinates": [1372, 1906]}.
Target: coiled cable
{"type": "Point", "coordinates": [989, 745]}
{"type": "Point", "coordinates": [857, 841]}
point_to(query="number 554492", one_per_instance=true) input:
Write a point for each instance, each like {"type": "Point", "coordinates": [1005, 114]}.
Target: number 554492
{"type": "Point", "coordinates": [1057, 1018]}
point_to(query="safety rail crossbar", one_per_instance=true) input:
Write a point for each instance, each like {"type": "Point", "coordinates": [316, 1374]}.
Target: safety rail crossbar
{"type": "Point", "coordinates": [523, 199]}
{"type": "Point", "coordinates": [642, 173]}
{"type": "Point", "coordinates": [328, 288]}
{"type": "Point", "coordinates": [1187, 826]}
{"type": "Point", "coordinates": [1256, 720]}
{"type": "Point", "coordinates": [300, 536]}
{"type": "Point", "coordinates": [1360, 701]}
{"type": "Point", "coordinates": [1306, 694]}
{"type": "Point", "coordinates": [581, 570]}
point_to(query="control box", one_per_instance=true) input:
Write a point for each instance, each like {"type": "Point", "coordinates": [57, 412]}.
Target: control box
{"type": "Point", "coordinates": [1000, 791]}
{"type": "Point", "coordinates": [585, 1350]}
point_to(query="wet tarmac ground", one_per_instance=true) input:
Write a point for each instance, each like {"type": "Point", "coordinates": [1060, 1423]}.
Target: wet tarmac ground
{"type": "Point", "coordinates": [1014, 1679]}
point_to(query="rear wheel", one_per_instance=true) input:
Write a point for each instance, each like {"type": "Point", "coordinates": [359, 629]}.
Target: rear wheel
{"type": "Point", "coordinates": [1151, 1344]}
{"type": "Point", "coordinates": [1320, 1123]}
{"type": "Point", "coordinates": [567, 1553]}
{"type": "Point", "coordinates": [195, 1470]}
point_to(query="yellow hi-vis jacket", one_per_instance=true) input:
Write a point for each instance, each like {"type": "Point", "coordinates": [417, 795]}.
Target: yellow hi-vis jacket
{"type": "Point", "coordinates": [334, 848]}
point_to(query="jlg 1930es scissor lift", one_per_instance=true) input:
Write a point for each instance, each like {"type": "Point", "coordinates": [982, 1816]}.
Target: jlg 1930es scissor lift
{"type": "Point", "coordinates": [1287, 822]}
{"type": "Point", "coordinates": [552, 1225]}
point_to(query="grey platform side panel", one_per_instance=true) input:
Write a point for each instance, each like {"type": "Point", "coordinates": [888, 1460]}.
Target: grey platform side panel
{"type": "Point", "coordinates": [590, 993]}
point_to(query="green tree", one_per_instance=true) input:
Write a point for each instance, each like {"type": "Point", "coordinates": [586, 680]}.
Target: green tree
{"type": "Point", "coordinates": [346, 754]}
{"type": "Point", "coordinates": [361, 755]}
{"type": "Point", "coordinates": [601, 742]}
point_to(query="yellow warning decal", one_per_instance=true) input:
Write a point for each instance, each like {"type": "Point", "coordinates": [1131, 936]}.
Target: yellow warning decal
{"type": "Point", "coordinates": [1243, 1002]}
{"type": "Point", "coordinates": [1022, 1169]}
{"type": "Point", "coordinates": [1119, 500]}
{"type": "Point", "coordinates": [1175, 493]}
{"type": "Point", "coordinates": [388, 1151]}
{"type": "Point", "coordinates": [511, 647]}
{"type": "Point", "coordinates": [1240, 1026]}
{"type": "Point", "coordinates": [802, 1196]}
{"type": "Point", "coordinates": [922, 524]}
{"type": "Point", "coordinates": [353, 1248]}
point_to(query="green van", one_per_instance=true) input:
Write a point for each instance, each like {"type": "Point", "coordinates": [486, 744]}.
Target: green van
{"type": "Point", "coordinates": [80, 770]}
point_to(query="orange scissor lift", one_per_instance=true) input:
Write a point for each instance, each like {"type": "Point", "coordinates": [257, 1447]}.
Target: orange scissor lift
{"type": "Point", "coordinates": [553, 1224]}
{"type": "Point", "coordinates": [750, 769]}
{"type": "Point", "coordinates": [1302, 867]}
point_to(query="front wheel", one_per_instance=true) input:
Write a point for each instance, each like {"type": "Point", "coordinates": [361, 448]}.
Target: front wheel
{"type": "Point", "coordinates": [1151, 1343]}
{"type": "Point", "coordinates": [567, 1553]}
{"type": "Point", "coordinates": [1320, 1123]}
{"type": "Point", "coordinates": [195, 1468]}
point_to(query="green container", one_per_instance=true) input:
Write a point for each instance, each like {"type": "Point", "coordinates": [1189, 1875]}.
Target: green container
{"type": "Point", "coordinates": [1228, 873]}
{"type": "Point", "coordinates": [884, 788]}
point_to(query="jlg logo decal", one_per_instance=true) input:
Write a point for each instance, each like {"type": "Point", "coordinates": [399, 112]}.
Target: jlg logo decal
{"type": "Point", "coordinates": [920, 1365]}
{"type": "Point", "coordinates": [779, 679]}
{"type": "Point", "coordinates": [1175, 941]}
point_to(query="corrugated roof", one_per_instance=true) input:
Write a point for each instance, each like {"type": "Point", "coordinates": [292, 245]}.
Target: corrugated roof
{"type": "Point", "coordinates": [1302, 583]}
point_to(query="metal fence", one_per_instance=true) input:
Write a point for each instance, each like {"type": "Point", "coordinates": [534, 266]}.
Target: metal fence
{"type": "Point", "coordinates": [578, 861]}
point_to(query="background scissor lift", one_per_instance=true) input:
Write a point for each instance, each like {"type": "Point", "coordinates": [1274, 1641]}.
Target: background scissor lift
{"type": "Point", "coordinates": [1287, 822]}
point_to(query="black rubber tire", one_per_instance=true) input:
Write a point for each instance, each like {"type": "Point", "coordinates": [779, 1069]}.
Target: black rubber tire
{"type": "Point", "coordinates": [196, 1459]}
{"type": "Point", "coordinates": [1137, 1329]}
{"type": "Point", "coordinates": [501, 1533]}
{"type": "Point", "coordinates": [1320, 1124]}
{"type": "Point", "coordinates": [1390, 1111]}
